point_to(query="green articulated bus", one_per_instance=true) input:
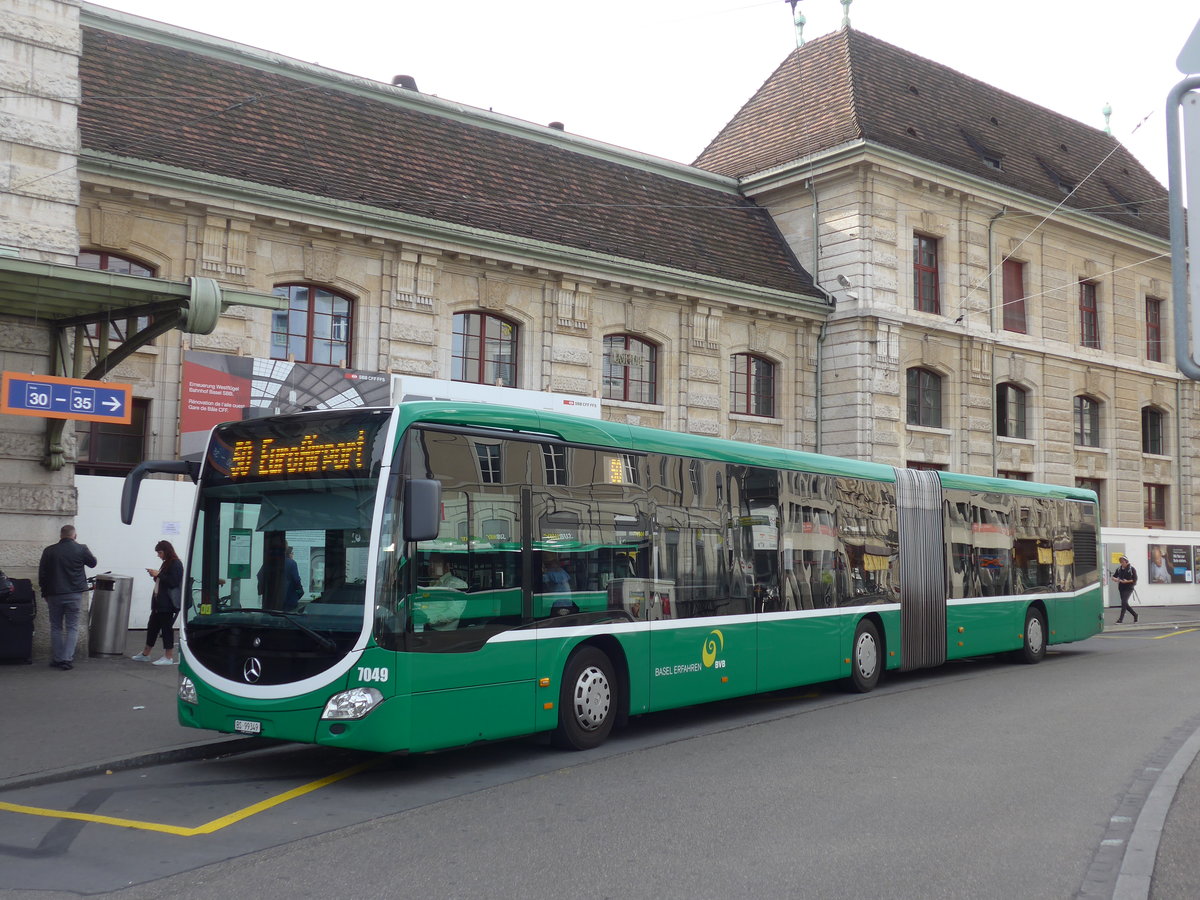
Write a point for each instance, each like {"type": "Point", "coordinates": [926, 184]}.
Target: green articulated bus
{"type": "Point", "coordinates": [438, 574]}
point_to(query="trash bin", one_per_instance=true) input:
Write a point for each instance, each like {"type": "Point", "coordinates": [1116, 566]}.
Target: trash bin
{"type": "Point", "coordinates": [108, 618]}
{"type": "Point", "coordinates": [17, 612]}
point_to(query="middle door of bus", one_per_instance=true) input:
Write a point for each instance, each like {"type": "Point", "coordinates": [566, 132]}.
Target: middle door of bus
{"type": "Point", "coordinates": [472, 658]}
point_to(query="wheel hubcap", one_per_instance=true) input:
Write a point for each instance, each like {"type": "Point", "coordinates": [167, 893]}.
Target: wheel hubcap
{"type": "Point", "coordinates": [593, 698]}
{"type": "Point", "coordinates": [866, 655]}
{"type": "Point", "coordinates": [1034, 634]}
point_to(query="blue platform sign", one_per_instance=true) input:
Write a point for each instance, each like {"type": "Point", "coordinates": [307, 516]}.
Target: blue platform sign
{"type": "Point", "coordinates": [52, 397]}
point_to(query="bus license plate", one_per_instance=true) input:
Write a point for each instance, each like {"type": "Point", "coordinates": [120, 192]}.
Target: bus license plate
{"type": "Point", "coordinates": [243, 726]}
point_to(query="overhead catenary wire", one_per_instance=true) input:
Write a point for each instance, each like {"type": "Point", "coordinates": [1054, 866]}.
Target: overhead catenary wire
{"type": "Point", "coordinates": [1117, 145]}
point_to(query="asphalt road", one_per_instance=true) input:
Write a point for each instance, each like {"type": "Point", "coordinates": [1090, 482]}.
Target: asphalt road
{"type": "Point", "coordinates": [981, 779]}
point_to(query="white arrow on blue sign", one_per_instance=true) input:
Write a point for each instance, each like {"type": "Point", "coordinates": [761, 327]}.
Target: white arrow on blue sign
{"type": "Point", "coordinates": [52, 397]}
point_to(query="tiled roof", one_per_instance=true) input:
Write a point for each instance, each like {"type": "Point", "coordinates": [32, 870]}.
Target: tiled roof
{"type": "Point", "coordinates": [850, 86]}
{"type": "Point", "coordinates": [198, 111]}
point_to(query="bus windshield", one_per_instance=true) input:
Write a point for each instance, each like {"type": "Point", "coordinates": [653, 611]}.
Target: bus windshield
{"type": "Point", "coordinates": [281, 544]}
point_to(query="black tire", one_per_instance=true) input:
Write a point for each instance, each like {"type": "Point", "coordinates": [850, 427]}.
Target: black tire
{"type": "Point", "coordinates": [866, 657]}
{"type": "Point", "coordinates": [587, 700]}
{"type": "Point", "coordinates": [1033, 641]}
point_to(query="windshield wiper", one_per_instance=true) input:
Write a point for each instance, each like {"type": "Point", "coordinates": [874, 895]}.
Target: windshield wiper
{"type": "Point", "coordinates": [291, 617]}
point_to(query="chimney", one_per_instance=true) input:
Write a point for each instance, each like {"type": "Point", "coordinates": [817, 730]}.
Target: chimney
{"type": "Point", "coordinates": [405, 81]}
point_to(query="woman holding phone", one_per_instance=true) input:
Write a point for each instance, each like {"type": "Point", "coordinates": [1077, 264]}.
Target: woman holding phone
{"type": "Point", "coordinates": [164, 604]}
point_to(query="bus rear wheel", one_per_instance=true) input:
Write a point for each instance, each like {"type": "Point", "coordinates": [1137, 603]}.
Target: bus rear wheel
{"type": "Point", "coordinates": [866, 657]}
{"type": "Point", "coordinates": [587, 701]}
{"type": "Point", "coordinates": [1033, 644]}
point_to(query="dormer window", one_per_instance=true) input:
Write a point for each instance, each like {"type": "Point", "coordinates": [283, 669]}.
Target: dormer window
{"type": "Point", "coordinates": [1130, 207]}
{"type": "Point", "coordinates": [990, 157]}
{"type": "Point", "coordinates": [1062, 183]}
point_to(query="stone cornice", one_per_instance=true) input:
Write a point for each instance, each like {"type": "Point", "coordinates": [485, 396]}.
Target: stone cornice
{"type": "Point", "coordinates": [839, 159]}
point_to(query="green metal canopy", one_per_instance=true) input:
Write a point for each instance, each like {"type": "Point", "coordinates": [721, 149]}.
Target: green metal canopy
{"type": "Point", "coordinates": [65, 297]}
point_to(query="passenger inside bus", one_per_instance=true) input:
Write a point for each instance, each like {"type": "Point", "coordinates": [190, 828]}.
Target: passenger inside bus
{"type": "Point", "coordinates": [441, 575]}
{"type": "Point", "coordinates": [279, 583]}
{"type": "Point", "coordinates": [555, 579]}
{"type": "Point", "coordinates": [439, 605]}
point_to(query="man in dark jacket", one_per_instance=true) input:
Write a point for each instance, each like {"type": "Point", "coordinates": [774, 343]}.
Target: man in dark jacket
{"type": "Point", "coordinates": [63, 581]}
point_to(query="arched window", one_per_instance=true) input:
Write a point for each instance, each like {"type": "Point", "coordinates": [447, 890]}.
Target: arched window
{"type": "Point", "coordinates": [104, 261]}
{"type": "Point", "coordinates": [113, 262]}
{"type": "Point", "coordinates": [751, 385]}
{"type": "Point", "coordinates": [630, 369]}
{"type": "Point", "coordinates": [1153, 422]}
{"type": "Point", "coordinates": [315, 328]}
{"type": "Point", "coordinates": [924, 400]}
{"type": "Point", "coordinates": [1010, 411]}
{"type": "Point", "coordinates": [1087, 422]}
{"type": "Point", "coordinates": [485, 350]}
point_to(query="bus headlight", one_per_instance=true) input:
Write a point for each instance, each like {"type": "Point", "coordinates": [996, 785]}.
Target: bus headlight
{"type": "Point", "coordinates": [187, 690]}
{"type": "Point", "coordinates": [352, 704]}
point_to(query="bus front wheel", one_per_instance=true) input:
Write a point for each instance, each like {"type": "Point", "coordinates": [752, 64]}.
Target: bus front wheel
{"type": "Point", "coordinates": [866, 657]}
{"type": "Point", "coordinates": [587, 700]}
{"type": "Point", "coordinates": [1033, 644]}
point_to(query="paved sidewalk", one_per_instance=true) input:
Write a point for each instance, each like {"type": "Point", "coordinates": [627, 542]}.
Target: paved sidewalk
{"type": "Point", "coordinates": [106, 713]}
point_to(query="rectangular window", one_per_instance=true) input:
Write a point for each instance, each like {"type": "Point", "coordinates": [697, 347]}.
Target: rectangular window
{"type": "Point", "coordinates": [1087, 422]}
{"type": "Point", "coordinates": [1154, 329]}
{"type": "Point", "coordinates": [1152, 431]}
{"type": "Point", "coordinates": [1097, 485]}
{"type": "Point", "coordinates": [108, 449]}
{"type": "Point", "coordinates": [1089, 318]}
{"type": "Point", "coordinates": [1010, 411]}
{"type": "Point", "coordinates": [488, 457]}
{"type": "Point", "coordinates": [1014, 296]}
{"type": "Point", "coordinates": [555, 460]}
{"type": "Point", "coordinates": [1156, 506]}
{"type": "Point", "coordinates": [1012, 476]}
{"type": "Point", "coordinates": [924, 398]}
{"type": "Point", "coordinates": [926, 297]}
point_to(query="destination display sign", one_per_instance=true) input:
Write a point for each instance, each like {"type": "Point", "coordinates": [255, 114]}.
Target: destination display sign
{"type": "Point", "coordinates": [53, 397]}
{"type": "Point", "coordinates": [318, 445]}
{"type": "Point", "coordinates": [313, 454]}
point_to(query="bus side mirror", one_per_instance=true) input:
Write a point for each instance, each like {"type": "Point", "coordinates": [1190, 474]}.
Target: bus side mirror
{"type": "Point", "coordinates": [133, 481]}
{"type": "Point", "coordinates": [422, 509]}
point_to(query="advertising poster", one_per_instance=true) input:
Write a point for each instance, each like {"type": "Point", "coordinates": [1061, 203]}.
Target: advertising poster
{"type": "Point", "coordinates": [1170, 564]}
{"type": "Point", "coordinates": [218, 387]}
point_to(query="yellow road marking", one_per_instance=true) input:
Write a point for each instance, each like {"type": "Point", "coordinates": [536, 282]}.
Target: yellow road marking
{"type": "Point", "coordinates": [207, 827]}
{"type": "Point", "coordinates": [1173, 633]}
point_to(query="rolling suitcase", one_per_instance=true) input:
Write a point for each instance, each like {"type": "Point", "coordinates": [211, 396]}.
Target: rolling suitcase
{"type": "Point", "coordinates": [17, 611]}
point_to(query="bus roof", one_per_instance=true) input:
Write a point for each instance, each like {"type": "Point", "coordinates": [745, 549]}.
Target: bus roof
{"type": "Point", "coordinates": [641, 439]}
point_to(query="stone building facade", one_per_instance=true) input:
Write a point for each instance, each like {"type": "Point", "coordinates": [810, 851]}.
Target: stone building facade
{"type": "Point", "coordinates": [39, 195]}
{"type": "Point", "coordinates": [1069, 378]}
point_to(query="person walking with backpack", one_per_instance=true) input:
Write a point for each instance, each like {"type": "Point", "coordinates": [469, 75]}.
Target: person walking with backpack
{"type": "Point", "coordinates": [1125, 576]}
{"type": "Point", "coordinates": [63, 581]}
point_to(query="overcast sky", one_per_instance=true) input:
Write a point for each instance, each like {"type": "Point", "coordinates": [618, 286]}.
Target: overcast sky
{"type": "Point", "coordinates": [663, 76]}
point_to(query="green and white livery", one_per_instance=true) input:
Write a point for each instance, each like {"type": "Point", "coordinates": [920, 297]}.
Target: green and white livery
{"type": "Point", "coordinates": [439, 574]}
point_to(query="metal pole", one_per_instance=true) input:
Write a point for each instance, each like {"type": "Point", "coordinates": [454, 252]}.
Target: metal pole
{"type": "Point", "coordinates": [1185, 361]}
